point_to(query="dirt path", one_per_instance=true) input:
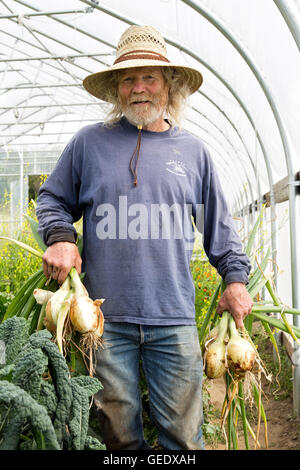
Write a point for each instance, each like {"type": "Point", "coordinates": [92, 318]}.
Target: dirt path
{"type": "Point", "coordinates": [283, 430]}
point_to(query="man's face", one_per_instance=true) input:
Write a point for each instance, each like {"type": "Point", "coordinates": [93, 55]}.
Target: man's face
{"type": "Point", "coordinates": [143, 95]}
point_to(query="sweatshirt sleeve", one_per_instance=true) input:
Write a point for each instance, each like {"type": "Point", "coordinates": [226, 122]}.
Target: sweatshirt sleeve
{"type": "Point", "coordinates": [221, 241]}
{"type": "Point", "coordinates": [58, 199]}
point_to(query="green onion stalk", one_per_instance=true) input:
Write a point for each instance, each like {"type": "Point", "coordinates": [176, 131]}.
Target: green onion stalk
{"type": "Point", "coordinates": [211, 336]}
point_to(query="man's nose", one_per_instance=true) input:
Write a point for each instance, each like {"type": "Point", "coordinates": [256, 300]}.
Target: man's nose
{"type": "Point", "coordinates": [138, 86]}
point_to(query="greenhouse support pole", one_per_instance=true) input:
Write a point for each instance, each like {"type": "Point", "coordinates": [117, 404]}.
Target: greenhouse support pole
{"type": "Point", "coordinates": [294, 194]}
{"type": "Point", "coordinates": [41, 13]}
{"type": "Point", "coordinates": [21, 186]}
{"type": "Point", "coordinates": [11, 210]}
{"type": "Point", "coordinates": [290, 13]}
{"type": "Point", "coordinates": [244, 208]}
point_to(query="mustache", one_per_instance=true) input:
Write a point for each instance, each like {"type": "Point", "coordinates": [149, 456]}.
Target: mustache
{"type": "Point", "coordinates": [140, 99]}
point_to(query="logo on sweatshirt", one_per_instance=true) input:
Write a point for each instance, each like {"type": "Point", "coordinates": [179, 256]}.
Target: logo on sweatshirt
{"type": "Point", "coordinates": [176, 167]}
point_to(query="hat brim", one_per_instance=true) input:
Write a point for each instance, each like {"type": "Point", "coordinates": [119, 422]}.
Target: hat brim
{"type": "Point", "coordinates": [98, 84]}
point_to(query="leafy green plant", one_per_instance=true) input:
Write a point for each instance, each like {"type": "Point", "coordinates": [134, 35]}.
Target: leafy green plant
{"type": "Point", "coordinates": [42, 405]}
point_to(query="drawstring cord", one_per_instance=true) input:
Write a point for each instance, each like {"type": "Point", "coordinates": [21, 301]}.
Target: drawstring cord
{"type": "Point", "coordinates": [136, 152]}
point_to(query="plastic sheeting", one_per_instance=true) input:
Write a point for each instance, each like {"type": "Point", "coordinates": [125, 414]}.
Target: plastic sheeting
{"type": "Point", "coordinates": [45, 57]}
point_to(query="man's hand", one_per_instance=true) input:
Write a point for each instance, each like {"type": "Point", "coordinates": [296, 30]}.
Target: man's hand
{"type": "Point", "coordinates": [58, 260]}
{"type": "Point", "coordinates": [237, 301]}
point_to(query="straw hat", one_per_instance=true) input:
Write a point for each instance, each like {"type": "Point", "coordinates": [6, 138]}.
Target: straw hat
{"type": "Point", "coordinates": [139, 46]}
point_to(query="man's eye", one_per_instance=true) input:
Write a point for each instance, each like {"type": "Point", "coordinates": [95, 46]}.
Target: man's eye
{"type": "Point", "coordinates": [125, 80]}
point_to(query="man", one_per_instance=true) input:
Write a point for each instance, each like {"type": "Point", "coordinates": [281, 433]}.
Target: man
{"type": "Point", "coordinates": [137, 179]}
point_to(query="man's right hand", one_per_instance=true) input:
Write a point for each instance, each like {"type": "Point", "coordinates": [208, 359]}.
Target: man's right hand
{"type": "Point", "coordinates": [58, 260]}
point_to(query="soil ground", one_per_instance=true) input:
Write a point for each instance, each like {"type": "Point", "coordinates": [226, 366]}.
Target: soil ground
{"type": "Point", "coordinates": [283, 428]}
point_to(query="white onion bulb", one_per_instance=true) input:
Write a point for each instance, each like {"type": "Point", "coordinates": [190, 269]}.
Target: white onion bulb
{"type": "Point", "coordinates": [240, 353]}
{"type": "Point", "coordinates": [85, 314]}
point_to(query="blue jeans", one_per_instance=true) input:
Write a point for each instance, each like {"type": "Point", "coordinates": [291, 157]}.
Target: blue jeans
{"type": "Point", "coordinates": [172, 364]}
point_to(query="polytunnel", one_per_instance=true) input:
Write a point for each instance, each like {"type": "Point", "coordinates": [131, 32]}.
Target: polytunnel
{"type": "Point", "coordinates": [246, 112]}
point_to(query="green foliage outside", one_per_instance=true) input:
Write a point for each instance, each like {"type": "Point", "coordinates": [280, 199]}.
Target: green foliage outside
{"type": "Point", "coordinates": [16, 264]}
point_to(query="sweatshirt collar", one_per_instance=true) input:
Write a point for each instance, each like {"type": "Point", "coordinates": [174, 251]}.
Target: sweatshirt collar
{"type": "Point", "coordinates": [133, 129]}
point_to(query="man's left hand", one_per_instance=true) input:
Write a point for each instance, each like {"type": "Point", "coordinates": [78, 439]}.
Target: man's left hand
{"type": "Point", "coordinates": [237, 301]}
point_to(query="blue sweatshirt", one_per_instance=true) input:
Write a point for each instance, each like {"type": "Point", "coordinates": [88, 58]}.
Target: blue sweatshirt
{"type": "Point", "coordinates": [138, 240]}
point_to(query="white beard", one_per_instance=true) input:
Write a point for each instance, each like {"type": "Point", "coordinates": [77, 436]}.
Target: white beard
{"type": "Point", "coordinates": [143, 119]}
{"type": "Point", "coordinates": [145, 116]}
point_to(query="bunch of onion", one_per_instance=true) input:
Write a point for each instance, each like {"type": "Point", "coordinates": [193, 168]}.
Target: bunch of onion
{"type": "Point", "coordinates": [221, 353]}
{"type": "Point", "coordinates": [71, 302]}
